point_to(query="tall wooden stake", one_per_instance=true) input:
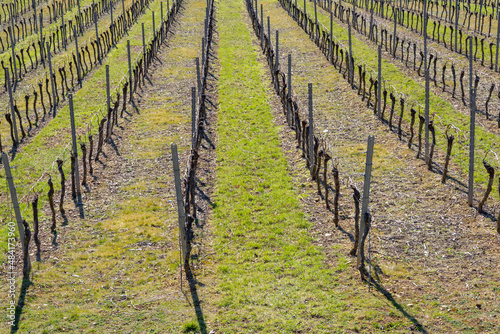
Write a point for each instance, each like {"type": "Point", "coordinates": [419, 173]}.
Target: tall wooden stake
{"type": "Point", "coordinates": [472, 97]}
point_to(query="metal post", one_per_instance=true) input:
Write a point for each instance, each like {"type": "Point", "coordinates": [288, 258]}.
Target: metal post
{"type": "Point", "coordinates": [305, 10]}
{"type": "Point", "coordinates": [311, 130]}
{"type": "Point", "coordinates": [331, 37]}
{"type": "Point", "coordinates": [42, 57]}
{"type": "Point", "coordinates": [366, 191]}
{"type": "Point", "coordinates": [180, 203]}
{"type": "Point", "coordinates": [498, 39]}
{"type": "Point", "coordinates": [112, 23]}
{"type": "Point", "coordinates": [457, 10]}
{"type": "Point", "coordinates": [193, 117]}
{"type": "Point", "coordinates": [80, 16]}
{"type": "Point", "coordinates": [262, 27]}
{"type": "Point", "coordinates": [54, 104]}
{"type": "Point", "coordinates": [350, 55]}
{"type": "Point", "coordinates": [277, 62]}
{"type": "Point", "coordinates": [198, 77]}
{"type": "Point", "coordinates": [269, 30]}
{"type": "Point", "coordinates": [203, 55]}
{"type": "Point", "coordinates": [13, 45]}
{"type": "Point", "coordinates": [130, 70]}
{"type": "Point", "coordinates": [371, 19]}
{"type": "Point", "coordinates": [63, 28]}
{"type": "Point", "coordinates": [472, 96]}
{"type": "Point", "coordinates": [379, 86]}
{"type": "Point", "coordinates": [12, 24]}
{"type": "Point", "coordinates": [289, 87]}
{"type": "Point", "coordinates": [154, 26]}
{"type": "Point", "coordinates": [315, 18]}
{"type": "Point", "coordinates": [96, 31]}
{"type": "Point", "coordinates": [161, 10]}
{"type": "Point", "coordinates": [394, 34]}
{"type": "Point", "coordinates": [143, 43]}
{"type": "Point", "coordinates": [77, 58]}
{"type": "Point", "coordinates": [426, 87]}
{"type": "Point", "coordinates": [108, 95]}
{"type": "Point", "coordinates": [13, 196]}
{"type": "Point", "coordinates": [75, 148]}
{"type": "Point", "coordinates": [12, 112]}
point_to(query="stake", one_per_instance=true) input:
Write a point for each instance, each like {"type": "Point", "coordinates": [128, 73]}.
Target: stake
{"type": "Point", "coordinates": [12, 112]}
{"type": "Point", "coordinates": [77, 58]}
{"type": "Point", "coordinates": [351, 78]}
{"type": "Point", "coordinates": [198, 77]}
{"type": "Point", "coordinates": [75, 149]}
{"type": "Point", "coordinates": [96, 32]}
{"type": "Point", "coordinates": [130, 71]}
{"type": "Point", "coordinates": [154, 23]}
{"type": "Point", "coordinates": [180, 204]}
{"type": "Point", "coordinates": [112, 23]}
{"type": "Point", "coordinates": [498, 39]}
{"type": "Point", "coordinates": [80, 16]}
{"type": "Point", "coordinates": [311, 130]}
{"type": "Point", "coordinates": [54, 104]}
{"type": "Point", "coordinates": [13, 196]}
{"type": "Point", "coordinates": [394, 34]}
{"type": "Point", "coordinates": [41, 40]}
{"type": "Point", "coordinates": [366, 191]}
{"type": "Point", "coordinates": [13, 45]}
{"type": "Point", "coordinates": [371, 20]}
{"type": "Point", "coordinates": [426, 87]}
{"type": "Point", "coordinates": [457, 12]}
{"type": "Point", "coordinates": [289, 87]}
{"type": "Point", "coordinates": [472, 97]}
{"type": "Point", "coordinates": [277, 52]}
{"type": "Point", "coordinates": [262, 27]}
{"type": "Point", "coordinates": [379, 86]}
{"type": "Point", "coordinates": [193, 117]}
{"type": "Point", "coordinates": [63, 32]}
{"type": "Point", "coordinates": [108, 101]}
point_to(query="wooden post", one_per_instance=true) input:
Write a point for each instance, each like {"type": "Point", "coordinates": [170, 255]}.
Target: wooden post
{"type": "Point", "coordinates": [54, 104]}
{"type": "Point", "coordinates": [75, 149]}
{"type": "Point", "coordinates": [311, 130]}
{"type": "Point", "coordinates": [472, 97]}
{"type": "Point", "coordinates": [366, 191]}
{"type": "Point", "coordinates": [193, 117]}
{"type": "Point", "coordinates": [12, 112]}
{"type": "Point", "coordinates": [180, 204]}
{"type": "Point", "coordinates": [379, 86]}
{"type": "Point", "coordinates": [13, 196]}
{"type": "Point", "coordinates": [77, 58]}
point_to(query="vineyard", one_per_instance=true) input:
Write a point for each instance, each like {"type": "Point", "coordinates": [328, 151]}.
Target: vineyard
{"type": "Point", "coordinates": [247, 166]}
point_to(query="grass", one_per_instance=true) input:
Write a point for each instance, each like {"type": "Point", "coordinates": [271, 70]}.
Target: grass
{"type": "Point", "coordinates": [272, 277]}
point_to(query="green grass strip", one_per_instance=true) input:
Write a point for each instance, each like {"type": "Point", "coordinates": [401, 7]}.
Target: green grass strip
{"type": "Point", "coordinates": [272, 277]}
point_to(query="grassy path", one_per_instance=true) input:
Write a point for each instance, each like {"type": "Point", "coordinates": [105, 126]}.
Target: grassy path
{"type": "Point", "coordinates": [272, 277]}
